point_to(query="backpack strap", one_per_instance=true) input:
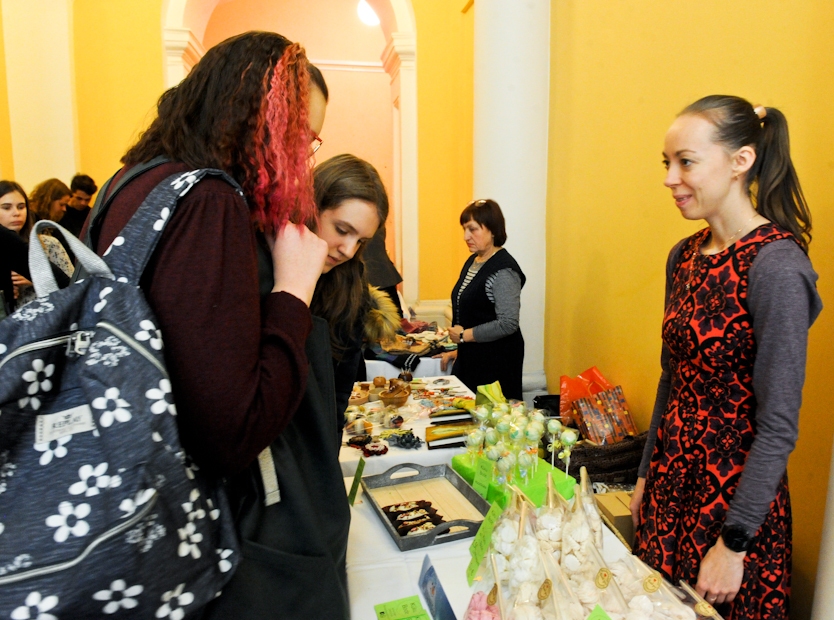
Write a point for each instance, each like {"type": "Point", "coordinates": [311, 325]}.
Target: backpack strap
{"type": "Point", "coordinates": [104, 199]}
{"type": "Point", "coordinates": [132, 248]}
{"type": "Point", "coordinates": [106, 196]}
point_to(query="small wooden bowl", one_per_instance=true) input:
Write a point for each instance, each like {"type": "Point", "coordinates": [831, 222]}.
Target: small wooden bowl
{"type": "Point", "coordinates": [360, 400]}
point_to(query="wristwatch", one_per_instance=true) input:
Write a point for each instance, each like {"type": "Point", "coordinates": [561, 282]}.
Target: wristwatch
{"type": "Point", "coordinates": [735, 538]}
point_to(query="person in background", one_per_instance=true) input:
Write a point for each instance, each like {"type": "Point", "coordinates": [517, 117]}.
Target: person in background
{"type": "Point", "coordinates": [82, 187]}
{"type": "Point", "coordinates": [15, 225]}
{"type": "Point", "coordinates": [486, 302]}
{"type": "Point", "coordinates": [14, 218]}
{"type": "Point", "coordinates": [15, 208]}
{"type": "Point", "coordinates": [48, 201]}
{"type": "Point", "coordinates": [380, 270]}
{"type": "Point", "coordinates": [711, 504]}
{"type": "Point", "coordinates": [352, 206]}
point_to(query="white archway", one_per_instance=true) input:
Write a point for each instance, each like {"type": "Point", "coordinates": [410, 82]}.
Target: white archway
{"type": "Point", "coordinates": [183, 27]}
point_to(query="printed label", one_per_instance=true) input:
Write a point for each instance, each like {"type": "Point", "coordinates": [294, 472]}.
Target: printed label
{"type": "Point", "coordinates": [705, 609]}
{"type": "Point", "coordinates": [603, 579]}
{"type": "Point", "coordinates": [651, 584]}
{"type": "Point", "coordinates": [68, 422]}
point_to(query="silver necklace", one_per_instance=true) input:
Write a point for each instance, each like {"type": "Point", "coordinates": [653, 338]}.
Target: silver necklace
{"type": "Point", "coordinates": [727, 243]}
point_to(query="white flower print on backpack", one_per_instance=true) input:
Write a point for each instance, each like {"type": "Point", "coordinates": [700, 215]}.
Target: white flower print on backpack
{"type": "Point", "coordinates": [100, 480]}
{"type": "Point", "coordinates": [36, 607]}
{"type": "Point", "coordinates": [119, 596]}
{"type": "Point", "coordinates": [161, 396]}
{"type": "Point", "coordinates": [173, 603]}
{"type": "Point", "coordinates": [39, 381]}
{"type": "Point", "coordinates": [150, 333]}
{"type": "Point", "coordinates": [70, 520]}
{"type": "Point", "coordinates": [55, 448]}
{"type": "Point", "coordinates": [117, 411]}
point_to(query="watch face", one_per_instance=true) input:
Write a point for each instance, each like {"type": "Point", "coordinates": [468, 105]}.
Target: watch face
{"type": "Point", "coordinates": [735, 538]}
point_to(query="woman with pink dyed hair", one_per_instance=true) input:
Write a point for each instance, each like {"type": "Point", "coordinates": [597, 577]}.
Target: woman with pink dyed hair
{"type": "Point", "coordinates": [231, 282]}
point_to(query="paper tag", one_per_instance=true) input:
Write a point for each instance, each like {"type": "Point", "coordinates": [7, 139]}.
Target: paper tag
{"type": "Point", "coordinates": [480, 544]}
{"type": "Point", "coordinates": [483, 476]}
{"type": "Point", "coordinates": [53, 426]}
{"type": "Point", "coordinates": [409, 608]}
{"type": "Point", "coordinates": [598, 614]}
{"type": "Point", "coordinates": [357, 477]}
{"type": "Point", "coordinates": [472, 570]}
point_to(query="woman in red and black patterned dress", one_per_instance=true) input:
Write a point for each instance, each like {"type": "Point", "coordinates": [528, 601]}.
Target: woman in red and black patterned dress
{"type": "Point", "coordinates": [711, 504]}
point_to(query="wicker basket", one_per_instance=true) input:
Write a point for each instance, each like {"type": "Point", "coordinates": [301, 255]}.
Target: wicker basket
{"type": "Point", "coordinates": [614, 463]}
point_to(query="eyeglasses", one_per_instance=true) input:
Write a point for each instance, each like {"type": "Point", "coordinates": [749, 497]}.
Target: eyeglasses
{"type": "Point", "coordinates": [315, 145]}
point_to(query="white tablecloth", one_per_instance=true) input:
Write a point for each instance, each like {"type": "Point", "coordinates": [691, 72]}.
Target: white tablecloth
{"type": "Point", "coordinates": [428, 367]}
{"type": "Point", "coordinates": [379, 572]}
{"type": "Point", "coordinates": [349, 457]}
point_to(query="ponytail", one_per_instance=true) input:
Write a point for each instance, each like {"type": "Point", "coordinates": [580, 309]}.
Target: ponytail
{"type": "Point", "coordinates": [772, 182]}
{"type": "Point", "coordinates": [779, 196]}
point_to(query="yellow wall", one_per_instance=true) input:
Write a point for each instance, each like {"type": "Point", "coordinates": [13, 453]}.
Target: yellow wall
{"type": "Point", "coordinates": [620, 73]}
{"type": "Point", "coordinates": [6, 152]}
{"type": "Point", "coordinates": [118, 77]}
{"type": "Point", "coordinates": [444, 125]}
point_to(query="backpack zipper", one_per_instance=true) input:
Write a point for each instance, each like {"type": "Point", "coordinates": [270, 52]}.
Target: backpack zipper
{"type": "Point", "coordinates": [133, 345]}
{"type": "Point", "coordinates": [78, 342]}
{"type": "Point", "coordinates": [54, 568]}
{"type": "Point", "coordinates": [75, 340]}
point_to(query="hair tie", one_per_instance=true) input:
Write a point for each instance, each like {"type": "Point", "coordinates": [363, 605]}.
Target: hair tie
{"type": "Point", "coordinates": [760, 111]}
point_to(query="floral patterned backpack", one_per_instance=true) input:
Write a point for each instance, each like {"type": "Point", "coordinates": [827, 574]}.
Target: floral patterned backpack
{"type": "Point", "coordinates": [101, 511]}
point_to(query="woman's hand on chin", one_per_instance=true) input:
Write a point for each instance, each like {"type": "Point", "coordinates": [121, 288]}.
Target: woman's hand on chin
{"type": "Point", "coordinates": [298, 256]}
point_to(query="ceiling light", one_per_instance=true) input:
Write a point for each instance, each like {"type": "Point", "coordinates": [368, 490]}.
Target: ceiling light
{"type": "Point", "coordinates": [366, 14]}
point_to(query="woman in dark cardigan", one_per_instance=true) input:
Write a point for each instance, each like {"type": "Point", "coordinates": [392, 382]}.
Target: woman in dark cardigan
{"type": "Point", "coordinates": [486, 302]}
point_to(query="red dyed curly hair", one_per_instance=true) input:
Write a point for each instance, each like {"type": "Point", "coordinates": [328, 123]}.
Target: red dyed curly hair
{"type": "Point", "coordinates": [243, 109]}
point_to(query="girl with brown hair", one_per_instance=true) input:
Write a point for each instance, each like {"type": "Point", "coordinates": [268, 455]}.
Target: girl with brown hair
{"type": "Point", "coordinates": [352, 205]}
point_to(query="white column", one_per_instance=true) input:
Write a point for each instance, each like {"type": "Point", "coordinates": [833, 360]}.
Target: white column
{"type": "Point", "coordinates": [39, 70]}
{"type": "Point", "coordinates": [824, 589]}
{"type": "Point", "coordinates": [400, 61]}
{"type": "Point", "coordinates": [512, 85]}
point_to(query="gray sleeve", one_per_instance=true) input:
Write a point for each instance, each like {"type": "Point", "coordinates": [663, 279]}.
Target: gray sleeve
{"type": "Point", "coordinates": [664, 386]}
{"type": "Point", "coordinates": [504, 289]}
{"type": "Point", "coordinates": [783, 301]}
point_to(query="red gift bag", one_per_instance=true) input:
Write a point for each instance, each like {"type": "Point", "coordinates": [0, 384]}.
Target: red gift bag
{"type": "Point", "coordinates": [586, 383]}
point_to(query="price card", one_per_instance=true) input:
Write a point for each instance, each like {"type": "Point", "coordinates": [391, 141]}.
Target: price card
{"type": "Point", "coordinates": [599, 614]}
{"type": "Point", "coordinates": [483, 476]}
{"type": "Point", "coordinates": [480, 544]}
{"type": "Point", "coordinates": [357, 477]}
{"type": "Point", "coordinates": [472, 570]}
{"type": "Point", "coordinates": [409, 608]}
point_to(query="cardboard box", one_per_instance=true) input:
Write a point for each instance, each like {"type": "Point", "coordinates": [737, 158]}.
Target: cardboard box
{"type": "Point", "coordinates": [615, 508]}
